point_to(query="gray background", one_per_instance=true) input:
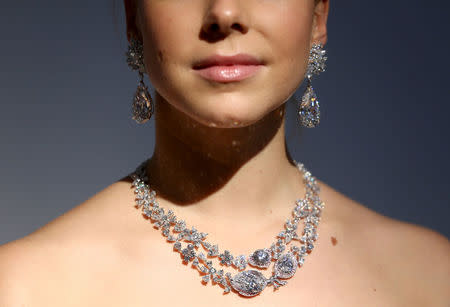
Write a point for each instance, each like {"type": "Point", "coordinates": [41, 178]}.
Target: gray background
{"type": "Point", "coordinates": [66, 131]}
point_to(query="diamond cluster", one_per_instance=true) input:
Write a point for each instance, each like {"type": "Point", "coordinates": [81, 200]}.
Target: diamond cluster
{"type": "Point", "coordinates": [246, 282]}
{"type": "Point", "coordinates": [316, 60]}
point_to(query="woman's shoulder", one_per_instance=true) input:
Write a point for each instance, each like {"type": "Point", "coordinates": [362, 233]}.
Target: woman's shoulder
{"type": "Point", "coordinates": [414, 258]}
{"type": "Point", "coordinates": [99, 214]}
{"type": "Point", "coordinates": [75, 223]}
{"type": "Point", "coordinates": [67, 249]}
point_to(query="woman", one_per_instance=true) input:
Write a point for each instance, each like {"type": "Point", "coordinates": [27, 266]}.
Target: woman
{"type": "Point", "coordinates": [220, 164]}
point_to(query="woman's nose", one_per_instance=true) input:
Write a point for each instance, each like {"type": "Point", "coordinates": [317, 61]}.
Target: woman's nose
{"type": "Point", "coordinates": [224, 17]}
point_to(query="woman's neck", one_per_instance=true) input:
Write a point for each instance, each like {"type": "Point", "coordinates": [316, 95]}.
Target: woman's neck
{"type": "Point", "coordinates": [245, 168]}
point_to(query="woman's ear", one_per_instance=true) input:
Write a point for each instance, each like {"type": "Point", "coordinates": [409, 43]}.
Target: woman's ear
{"type": "Point", "coordinates": [319, 29]}
{"type": "Point", "coordinates": [131, 19]}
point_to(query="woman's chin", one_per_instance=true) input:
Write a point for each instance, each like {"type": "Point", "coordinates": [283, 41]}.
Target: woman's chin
{"type": "Point", "coordinates": [225, 118]}
{"type": "Point", "coordinates": [224, 111]}
{"type": "Point", "coordinates": [221, 121]}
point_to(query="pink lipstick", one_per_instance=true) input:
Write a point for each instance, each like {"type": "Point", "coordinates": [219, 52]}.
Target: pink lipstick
{"type": "Point", "coordinates": [228, 68]}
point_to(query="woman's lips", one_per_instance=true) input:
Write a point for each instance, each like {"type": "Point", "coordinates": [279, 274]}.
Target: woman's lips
{"type": "Point", "coordinates": [228, 73]}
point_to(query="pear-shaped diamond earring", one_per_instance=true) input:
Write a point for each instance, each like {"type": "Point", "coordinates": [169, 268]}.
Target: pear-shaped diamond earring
{"type": "Point", "coordinates": [309, 105]}
{"type": "Point", "coordinates": [142, 107]}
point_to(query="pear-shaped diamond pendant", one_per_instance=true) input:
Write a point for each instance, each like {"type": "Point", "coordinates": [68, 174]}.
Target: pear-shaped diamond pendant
{"type": "Point", "coordinates": [142, 107]}
{"type": "Point", "coordinates": [309, 108]}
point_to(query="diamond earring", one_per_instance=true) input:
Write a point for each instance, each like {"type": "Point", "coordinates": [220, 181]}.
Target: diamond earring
{"type": "Point", "coordinates": [142, 107]}
{"type": "Point", "coordinates": [309, 105]}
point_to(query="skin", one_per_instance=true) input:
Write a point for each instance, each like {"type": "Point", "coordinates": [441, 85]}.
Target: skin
{"type": "Point", "coordinates": [220, 162]}
{"type": "Point", "coordinates": [171, 47]}
{"type": "Point", "coordinates": [193, 116]}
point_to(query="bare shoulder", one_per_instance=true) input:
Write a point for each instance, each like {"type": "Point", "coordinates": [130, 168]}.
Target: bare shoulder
{"type": "Point", "coordinates": [420, 259]}
{"type": "Point", "coordinates": [12, 254]}
{"type": "Point", "coordinates": [414, 258]}
{"type": "Point", "coordinates": [65, 253]}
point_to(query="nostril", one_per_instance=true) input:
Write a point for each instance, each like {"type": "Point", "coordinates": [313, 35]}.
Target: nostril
{"type": "Point", "coordinates": [214, 27]}
{"type": "Point", "coordinates": [236, 26]}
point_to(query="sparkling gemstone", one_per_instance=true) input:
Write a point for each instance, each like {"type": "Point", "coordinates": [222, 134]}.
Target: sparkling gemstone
{"type": "Point", "coordinates": [166, 232]}
{"type": "Point", "coordinates": [213, 251]}
{"type": "Point", "coordinates": [301, 210]}
{"type": "Point", "coordinates": [135, 57]}
{"type": "Point", "coordinates": [204, 269]}
{"type": "Point", "coordinates": [205, 278]}
{"type": "Point", "coordinates": [295, 249]}
{"type": "Point", "coordinates": [249, 283]}
{"type": "Point", "coordinates": [316, 61]}
{"type": "Point", "coordinates": [157, 214]}
{"type": "Point", "coordinates": [148, 213]}
{"type": "Point", "coordinates": [188, 253]}
{"type": "Point", "coordinates": [142, 107]}
{"type": "Point", "coordinates": [226, 258]}
{"type": "Point", "coordinates": [301, 260]}
{"type": "Point", "coordinates": [177, 245]}
{"type": "Point", "coordinates": [201, 256]}
{"type": "Point", "coordinates": [309, 109]}
{"type": "Point", "coordinates": [285, 266]}
{"type": "Point", "coordinates": [302, 249]}
{"type": "Point", "coordinates": [260, 258]}
{"type": "Point", "coordinates": [196, 237]}
{"type": "Point", "coordinates": [240, 262]}
{"type": "Point", "coordinates": [290, 226]}
{"type": "Point", "coordinates": [179, 226]}
{"type": "Point", "coordinates": [288, 237]}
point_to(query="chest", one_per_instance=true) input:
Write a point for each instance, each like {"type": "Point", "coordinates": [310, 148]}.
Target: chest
{"type": "Point", "coordinates": [163, 280]}
{"type": "Point", "coordinates": [172, 288]}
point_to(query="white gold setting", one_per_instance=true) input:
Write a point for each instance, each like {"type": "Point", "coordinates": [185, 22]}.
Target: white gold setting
{"type": "Point", "coordinates": [248, 282]}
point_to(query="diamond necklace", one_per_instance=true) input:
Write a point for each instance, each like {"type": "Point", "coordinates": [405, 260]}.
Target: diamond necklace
{"type": "Point", "coordinates": [247, 282]}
